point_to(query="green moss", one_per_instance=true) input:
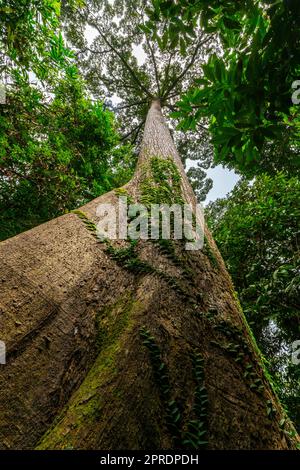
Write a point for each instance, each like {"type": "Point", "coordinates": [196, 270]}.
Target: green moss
{"type": "Point", "coordinates": [194, 437]}
{"type": "Point", "coordinates": [87, 403]}
{"type": "Point", "coordinates": [109, 326]}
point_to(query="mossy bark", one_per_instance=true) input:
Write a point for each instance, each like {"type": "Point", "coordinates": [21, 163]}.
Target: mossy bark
{"type": "Point", "coordinates": [79, 373]}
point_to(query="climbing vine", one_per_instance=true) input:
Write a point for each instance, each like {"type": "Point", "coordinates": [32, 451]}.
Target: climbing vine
{"type": "Point", "coordinates": [127, 258]}
{"type": "Point", "coordinates": [238, 348]}
{"type": "Point", "coordinates": [192, 434]}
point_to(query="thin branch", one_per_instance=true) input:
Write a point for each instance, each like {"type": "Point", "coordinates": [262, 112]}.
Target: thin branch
{"type": "Point", "coordinates": [118, 82]}
{"type": "Point", "coordinates": [171, 108]}
{"type": "Point", "coordinates": [172, 53]}
{"type": "Point", "coordinates": [202, 127]}
{"type": "Point", "coordinates": [133, 141]}
{"type": "Point", "coordinates": [187, 68]}
{"type": "Point", "coordinates": [173, 95]}
{"type": "Point", "coordinates": [92, 51]}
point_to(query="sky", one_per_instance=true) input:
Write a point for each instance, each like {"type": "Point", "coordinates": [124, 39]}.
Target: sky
{"type": "Point", "coordinates": [224, 180]}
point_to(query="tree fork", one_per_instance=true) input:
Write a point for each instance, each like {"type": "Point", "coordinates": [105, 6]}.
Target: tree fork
{"type": "Point", "coordinates": [88, 339]}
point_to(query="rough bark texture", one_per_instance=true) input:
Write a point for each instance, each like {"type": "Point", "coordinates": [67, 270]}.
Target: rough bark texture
{"type": "Point", "coordinates": [78, 373]}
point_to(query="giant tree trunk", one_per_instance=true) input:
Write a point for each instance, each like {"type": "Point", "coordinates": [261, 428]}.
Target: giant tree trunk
{"type": "Point", "coordinates": [102, 356]}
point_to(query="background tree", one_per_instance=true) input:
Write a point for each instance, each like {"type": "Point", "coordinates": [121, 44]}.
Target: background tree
{"type": "Point", "coordinates": [55, 154]}
{"type": "Point", "coordinates": [58, 148]}
{"type": "Point", "coordinates": [257, 230]}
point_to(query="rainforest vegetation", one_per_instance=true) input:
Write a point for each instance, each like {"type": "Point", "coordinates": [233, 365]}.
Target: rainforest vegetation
{"type": "Point", "coordinates": [83, 87]}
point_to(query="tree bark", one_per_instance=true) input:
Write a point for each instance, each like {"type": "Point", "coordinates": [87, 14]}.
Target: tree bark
{"type": "Point", "coordinates": [79, 373]}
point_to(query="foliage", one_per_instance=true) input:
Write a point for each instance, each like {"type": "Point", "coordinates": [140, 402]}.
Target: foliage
{"type": "Point", "coordinates": [163, 185]}
{"type": "Point", "coordinates": [257, 231]}
{"type": "Point", "coordinates": [200, 184]}
{"type": "Point", "coordinates": [55, 155]}
{"type": "Point", "coordinates": [195, 435]}
{"type": "Point", "coordinates": [246, 90]}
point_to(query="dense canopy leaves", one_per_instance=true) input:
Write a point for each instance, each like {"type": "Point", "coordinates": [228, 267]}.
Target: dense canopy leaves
{"type": "Point", "coordinates": [30, 36]}
{"type": "Point", "coordinates": [55, 156]}
{"type": "Point", "coordinates": [246, 91]}
{"type": "Point", "coordinates": [123, 62]}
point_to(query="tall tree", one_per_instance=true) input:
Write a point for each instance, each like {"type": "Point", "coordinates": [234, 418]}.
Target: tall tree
{"type": "Point", "coordinates": [171, 361]}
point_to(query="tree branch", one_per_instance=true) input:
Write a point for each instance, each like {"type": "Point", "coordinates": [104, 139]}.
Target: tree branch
{"type": "Point", "coordinates": [170, 107]}
{"type": "Point", "coordinates": [172, 53]}
{"type": "Point", "coordinates": [119, 82]}
{"type": "Point", "coordinates": [173, 95]}
{"type": "Point", "coordinates": [126, 106]}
